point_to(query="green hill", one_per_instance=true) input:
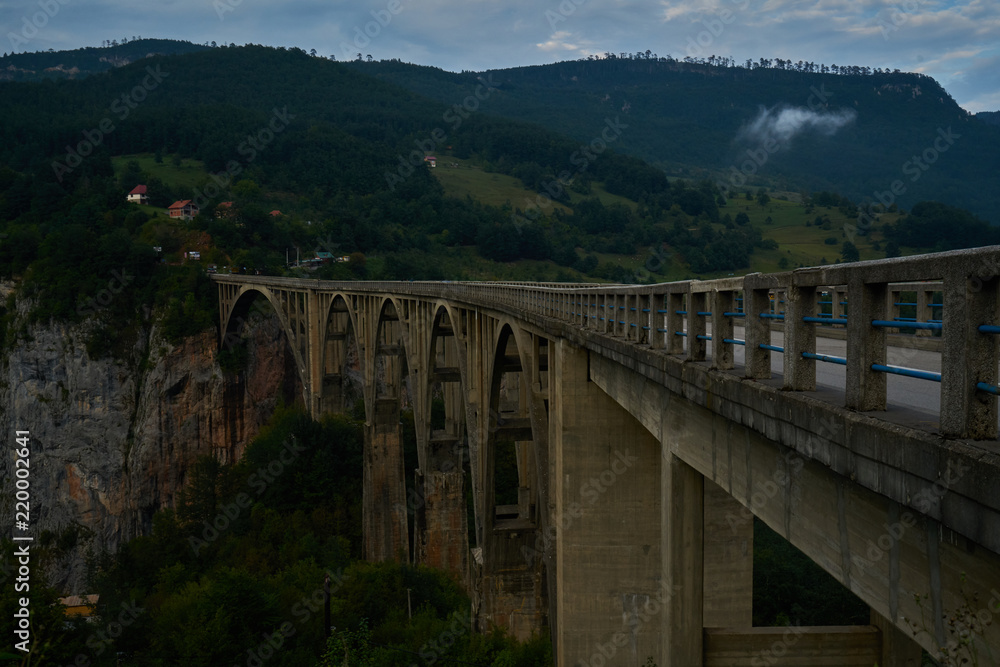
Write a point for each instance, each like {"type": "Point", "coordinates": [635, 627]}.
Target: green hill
{"type": "Point", "coordinates": [80, 63]}
{"type": "Point", "coordinates": [692, 118]}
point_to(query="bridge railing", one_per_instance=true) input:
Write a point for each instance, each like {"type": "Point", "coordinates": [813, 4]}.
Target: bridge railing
{"type": "Point", "coordinates": [954, 296]}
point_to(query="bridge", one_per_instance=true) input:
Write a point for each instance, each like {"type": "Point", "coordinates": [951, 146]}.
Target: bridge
{"type": "Point", "coordinates": [852, 408]}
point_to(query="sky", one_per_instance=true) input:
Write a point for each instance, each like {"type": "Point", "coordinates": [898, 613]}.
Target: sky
{"type": "Point", "coordinates": [957, 43]}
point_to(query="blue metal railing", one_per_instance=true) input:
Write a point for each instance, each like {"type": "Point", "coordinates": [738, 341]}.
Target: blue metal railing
{"type": "Point", "coordinates": [907, 372]}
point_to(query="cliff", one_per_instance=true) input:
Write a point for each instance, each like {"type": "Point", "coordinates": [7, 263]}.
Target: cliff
{"type": "Point", "coordinates": [112, 439]}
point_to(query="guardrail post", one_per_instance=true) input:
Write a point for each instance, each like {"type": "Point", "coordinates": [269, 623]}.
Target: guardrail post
{"type": "Point", "coordinates": [632, 329]}
{"type": "Point", "coordinates": [656, 321]}
{"type": "Point", "coordinates": [697, 347]}
{"type": "Point", "coordinates": [758, 330]}
{"type": "Point", "coordinates": [924, 311]}
{"type": "Point", "coordinates": [675, 322]}
{"type": "Point", "coordinates": [865, 346]}
{"type": "Point", "coordinates": [800, 373]}
{"type": "Point", "coordinates": [895, 296]}
{"type": "Point", "coordinates": [969, 357]}
{"type": "Point", "coordinates": [722, 327]}
{"type": "Point", "coordinates": [839, 304]}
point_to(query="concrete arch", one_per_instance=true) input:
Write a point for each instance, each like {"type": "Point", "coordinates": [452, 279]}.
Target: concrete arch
{"type": "Point", "coordinates": [511, 529]}
{"type": "Point", "coordinates": [339, 334]}
{"type": "Point", "coordinates": [440, 515]}
{"type": "Point", "coordinates": [385, 521]}
{"type": "Point", "coordinates": [238, 316]}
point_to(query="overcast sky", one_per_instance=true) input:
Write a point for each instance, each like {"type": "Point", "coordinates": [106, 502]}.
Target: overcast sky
{"type": "Point", "coordinates": [958, 43]}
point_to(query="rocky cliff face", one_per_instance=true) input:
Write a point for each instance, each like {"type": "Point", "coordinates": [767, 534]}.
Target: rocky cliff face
{"type": "Point", "coordinates": [112, 440]}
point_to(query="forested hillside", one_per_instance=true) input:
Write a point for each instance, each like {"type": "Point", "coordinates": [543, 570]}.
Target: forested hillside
{"type": "Point", "coordinates": [693, 118]}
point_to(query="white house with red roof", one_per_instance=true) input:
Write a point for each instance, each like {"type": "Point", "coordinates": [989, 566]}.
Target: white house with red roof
{"type": "Point", "coordinates": [184, 209]}
{"type": "Point", "coordinates": [138, 195]}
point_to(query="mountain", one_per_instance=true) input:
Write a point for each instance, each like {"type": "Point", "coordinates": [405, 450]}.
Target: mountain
{"type": "Point", "coordinates": [80, 63]}
{"type": "Point", "coordinates": [855, 132]}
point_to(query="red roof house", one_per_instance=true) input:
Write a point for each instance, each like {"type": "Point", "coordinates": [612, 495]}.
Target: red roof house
{"type": "Point", "coordinates": [138, 195]}
{"type": "Point", "coordinates": [183, 209]}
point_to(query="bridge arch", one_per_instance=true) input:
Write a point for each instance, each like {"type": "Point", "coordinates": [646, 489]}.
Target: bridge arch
{"type": "Point", "coordinates": [443, 473]}
{"type": "Point", "coordinates": [341, 342]}
{"type": "Point", "coordinates": [512, 505]}
{"type": "Point", "coordinates": [386, 507]}
{"type": "Point", "coordinates": [238, 316]}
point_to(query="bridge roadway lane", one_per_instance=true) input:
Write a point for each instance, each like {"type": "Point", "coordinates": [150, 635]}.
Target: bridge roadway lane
{"type": "Point", "coordinates": [911, 401]}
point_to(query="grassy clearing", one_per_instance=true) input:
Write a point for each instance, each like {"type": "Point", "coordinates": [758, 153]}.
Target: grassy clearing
{"type": "Point", "coordinates": [188, 173]}
{"type": "Point", "coordinates": [469, 179]}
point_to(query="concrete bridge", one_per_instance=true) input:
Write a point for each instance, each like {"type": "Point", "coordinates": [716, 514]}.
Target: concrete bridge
{"type": "Point", "coordinates": [619, 440]}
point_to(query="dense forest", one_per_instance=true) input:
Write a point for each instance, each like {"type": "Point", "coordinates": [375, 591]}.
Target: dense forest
{"type": "Point", "coordinates": [236, 573]}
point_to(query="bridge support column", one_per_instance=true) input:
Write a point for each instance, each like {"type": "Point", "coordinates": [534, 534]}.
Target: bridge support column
{"type": "Point", "coordinates": [898, 648]}
{"type": "Point", "coordinates": [384, 505]}
{"type": "Point", "coordinates": [683, 563]}
{"type": "Point", "coordinates": [728, 558]}
{"type": "Point", "coordinates": [610, 603]}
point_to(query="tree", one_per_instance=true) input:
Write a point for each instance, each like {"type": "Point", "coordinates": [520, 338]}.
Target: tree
{"type": "Point", "coordinates": [742, 218]}
{"type": "Point", "coordinates": [849, 252]}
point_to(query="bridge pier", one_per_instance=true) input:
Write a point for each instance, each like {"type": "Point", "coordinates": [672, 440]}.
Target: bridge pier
{"type": "Point", "coordinates": [607, 524]}
{"type": "Point", "coordinates": [384, 504]}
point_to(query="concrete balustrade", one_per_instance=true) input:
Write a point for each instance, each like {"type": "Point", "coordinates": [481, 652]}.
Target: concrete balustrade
{"type": "Point", "coordinates": [633, 313]}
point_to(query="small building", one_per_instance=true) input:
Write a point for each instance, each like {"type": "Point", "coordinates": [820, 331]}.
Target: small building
{"type": "Point", "coordinates": [275, 213]}
{"type": "Point", "coordinates": [184, 209]}
{"type": "Point", "coordinates": [431, 160]}
{"type": "Point", "coordinates": [224, 209]}
{"type": "Point", "coordinates": [138, 195]}
{"type": "Point", "coordinates": [80, 605]}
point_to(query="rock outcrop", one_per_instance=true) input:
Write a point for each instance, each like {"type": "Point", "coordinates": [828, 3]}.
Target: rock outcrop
{"type": "Point", "coordinates": [112, 439]}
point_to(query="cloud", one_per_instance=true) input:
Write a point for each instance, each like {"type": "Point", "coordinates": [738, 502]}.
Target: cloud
{"type": "Point", "coordinates": [782, 125]}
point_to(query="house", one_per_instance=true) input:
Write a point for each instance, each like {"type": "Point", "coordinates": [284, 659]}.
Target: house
{"type": "Point", "coordinates": [138, 195]}
{"type": "Point", "coordinates": [431, 160]}
{"type": "Point", "coordinates": [80, 605]}
{"type": "Point", "coordinates": [184, 209]}
{"type": "Point", "coordinates": [224, 210]}
{"type": "Point", "coordinates": [275, 213]}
